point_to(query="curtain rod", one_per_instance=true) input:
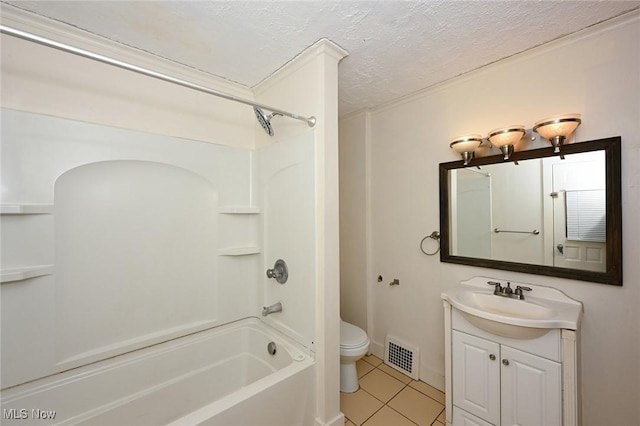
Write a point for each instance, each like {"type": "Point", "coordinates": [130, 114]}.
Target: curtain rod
{"type": "Point", "coordinates": [311, 121]}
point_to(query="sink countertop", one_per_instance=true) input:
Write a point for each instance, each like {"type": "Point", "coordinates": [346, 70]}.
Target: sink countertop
{"type": "Point", "coordinates": [553, 308]}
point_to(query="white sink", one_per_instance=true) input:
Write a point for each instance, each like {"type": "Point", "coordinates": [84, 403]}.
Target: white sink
{"type": "Point", "coordinates": [543, 309]}
{"type": "Point", "coordinates": [506, 306]}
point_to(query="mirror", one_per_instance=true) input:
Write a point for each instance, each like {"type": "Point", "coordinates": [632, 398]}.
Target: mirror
{"type": "Point", "coordinates": [539, 212]}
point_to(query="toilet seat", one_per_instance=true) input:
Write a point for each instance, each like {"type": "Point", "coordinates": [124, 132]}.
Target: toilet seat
{"type": "Point", "coordinates": [352, 337]}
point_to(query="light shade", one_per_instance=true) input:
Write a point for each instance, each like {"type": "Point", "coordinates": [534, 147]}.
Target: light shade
{"type": "Point", "coordinates": [506, 137]}
{"type": "Point", "coordinates": [465, 145]}
{"type": "Point", "coordinates": [557, 128]}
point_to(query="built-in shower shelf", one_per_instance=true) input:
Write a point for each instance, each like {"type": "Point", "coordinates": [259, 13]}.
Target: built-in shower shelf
{"type": "Point", "coordinates": [239, 251]}
{"type": "Point", "coordinates": [25, 273]}
{"type": "Point", "coordinates": [239, 210]}
{"type": "Point", "coordinates": [26, 208]}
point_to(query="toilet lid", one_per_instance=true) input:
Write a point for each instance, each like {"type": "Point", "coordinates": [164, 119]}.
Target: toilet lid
{"type": "Point", "coordinates": [351, 336]}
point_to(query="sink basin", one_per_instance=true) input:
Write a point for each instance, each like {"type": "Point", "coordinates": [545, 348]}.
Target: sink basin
{"type": "Point", "coordinates": [543, 309]}
{"type": "Point", "coordinates": [506, 306]}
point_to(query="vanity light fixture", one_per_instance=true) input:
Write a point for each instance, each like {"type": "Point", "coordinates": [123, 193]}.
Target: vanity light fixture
{"type": "Point", "coordinates": [557, 129]}
{"type": "Point", "coordinates": [505, 138]}
{"type": "Point", "coordinates": [466, 145]}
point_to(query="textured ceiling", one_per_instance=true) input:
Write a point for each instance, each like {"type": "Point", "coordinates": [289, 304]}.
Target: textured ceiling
{"type": "Point", "coordinates": [395, 47]}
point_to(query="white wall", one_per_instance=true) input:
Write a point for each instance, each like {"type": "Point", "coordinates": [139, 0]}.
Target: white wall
{"type": "Point", "coordinates": [353, 220]}
{"type": "Point", "coordinates": [594, 73]}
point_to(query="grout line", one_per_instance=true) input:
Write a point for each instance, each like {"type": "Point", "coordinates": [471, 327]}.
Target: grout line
{"type": "Point", "coordinates": [405, 384]}
{"type": "Point", "coordinates": [385, 404]}
{"type": "Point", "coordinates": [374, 413]}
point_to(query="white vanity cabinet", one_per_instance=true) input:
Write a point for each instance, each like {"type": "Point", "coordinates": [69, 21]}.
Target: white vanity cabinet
{"type": "Point", "coordinates": [503, 385]}
{"type": "Point", "coordinates": [505, 373]}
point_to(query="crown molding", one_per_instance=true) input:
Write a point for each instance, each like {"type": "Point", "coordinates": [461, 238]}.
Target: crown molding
{"type": "Point", "coordinates": [594, 31]}
{"type": "Point", "coordinates": [323, 46]}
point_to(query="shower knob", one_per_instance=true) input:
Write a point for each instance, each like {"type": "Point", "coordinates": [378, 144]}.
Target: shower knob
{"type": "Point", "coordinates": [279, 271]}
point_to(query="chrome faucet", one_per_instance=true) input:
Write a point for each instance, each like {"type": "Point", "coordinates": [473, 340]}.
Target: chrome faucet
{"type": "Point", "coordinates": [508, 291]}
{"type": "Point", "coordinates": [518, 293]}
{"type": "Point", "coordinates": [267, 310]}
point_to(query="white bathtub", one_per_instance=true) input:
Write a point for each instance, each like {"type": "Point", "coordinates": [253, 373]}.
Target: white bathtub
{"type": "Point", "coordinates": [223, 376]}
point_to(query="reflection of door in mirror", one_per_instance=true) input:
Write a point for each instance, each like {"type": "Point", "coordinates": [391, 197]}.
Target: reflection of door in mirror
{"type": "Point", "coordinates": [579, 210]}
{"type": "Point", "coordinates": [471, 210]}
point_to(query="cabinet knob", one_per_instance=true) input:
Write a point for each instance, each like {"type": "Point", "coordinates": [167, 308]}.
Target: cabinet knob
{"type": "Point", "coordinates": [492, 357]}
{"type": "Point", "coordinates": [505, 362]}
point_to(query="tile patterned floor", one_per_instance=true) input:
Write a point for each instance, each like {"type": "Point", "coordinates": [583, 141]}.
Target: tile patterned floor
{"type": "Point", "coordinates": [387, 397]}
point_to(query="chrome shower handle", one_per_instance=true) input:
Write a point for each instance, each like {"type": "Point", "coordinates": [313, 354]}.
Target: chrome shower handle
{"type": "Point", "coordinates": [279, 271]}
{"type": "Point", "coordinates": [273, 273]}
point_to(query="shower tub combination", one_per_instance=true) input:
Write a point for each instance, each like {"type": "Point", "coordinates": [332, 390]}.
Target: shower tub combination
{"type": "Point", "coordinates": [228, 375]}
{"type": "Point", "coordinates": [135, 324]}
{"type": "Point", "coordinates": [81, 367]}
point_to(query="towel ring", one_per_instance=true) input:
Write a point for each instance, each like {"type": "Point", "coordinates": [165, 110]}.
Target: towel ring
{"type": "Point", "coordinates": [435, 235]}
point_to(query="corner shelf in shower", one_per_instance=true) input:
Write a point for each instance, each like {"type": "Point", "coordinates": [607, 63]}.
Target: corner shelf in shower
{"type": "Point", "coordinates": [239, 210]}
{"type": "Point", "coordinates": [239, 251]}
{"type": "Point", "coordinates": [25, 273]}
{"type": "Point", "coordinates": [20, 209]}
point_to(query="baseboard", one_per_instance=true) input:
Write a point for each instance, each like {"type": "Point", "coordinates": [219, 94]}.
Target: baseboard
{"type": "Point", "coordinates": [432, 377]}
{"type": "Point", "coordinates": [376, 349]}
{"type": "Point", "coordinates": [336, 421]}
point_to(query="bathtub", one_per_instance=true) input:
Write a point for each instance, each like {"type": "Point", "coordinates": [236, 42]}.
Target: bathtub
{"type": "Point", "coordinates": [222, 376]}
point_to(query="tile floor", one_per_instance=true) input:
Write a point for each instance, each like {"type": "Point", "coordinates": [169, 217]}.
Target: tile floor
{"type": "Point", "coordinates": [389, 398]}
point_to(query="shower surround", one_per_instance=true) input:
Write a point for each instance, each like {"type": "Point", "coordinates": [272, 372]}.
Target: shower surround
{"type": "Point", "coordinates": [147, 239]}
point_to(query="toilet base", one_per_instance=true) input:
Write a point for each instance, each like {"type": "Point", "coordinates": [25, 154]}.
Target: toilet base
{"type": "Point", "coordinates": [348, 377]}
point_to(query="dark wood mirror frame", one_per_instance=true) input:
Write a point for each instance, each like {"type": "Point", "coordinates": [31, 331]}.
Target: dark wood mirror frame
{"type": "Point", "coordinates": [613, 273]}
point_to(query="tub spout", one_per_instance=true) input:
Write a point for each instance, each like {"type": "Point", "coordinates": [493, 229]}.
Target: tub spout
{"type": "Point", "coordinates": [267, 310]}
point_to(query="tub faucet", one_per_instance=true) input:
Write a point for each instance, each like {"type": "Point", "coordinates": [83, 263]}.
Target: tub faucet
{"type": "Point", "coordinates": [267, 310]}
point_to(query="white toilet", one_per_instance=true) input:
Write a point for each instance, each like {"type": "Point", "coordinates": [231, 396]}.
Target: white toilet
{"type": "Point", "coordinates": [354, 344]}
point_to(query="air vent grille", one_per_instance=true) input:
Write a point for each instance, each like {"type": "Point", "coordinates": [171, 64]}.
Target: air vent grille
{"type": "Point", "coordinates": [402, 357]}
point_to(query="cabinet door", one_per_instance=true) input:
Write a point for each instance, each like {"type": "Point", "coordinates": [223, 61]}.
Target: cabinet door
{"type": "Point", "coordinates": [531, 389]}
{"type": "Point", "coordinates": [462, 418]}
{"type": "Point", "coordinates": [476, 376]}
